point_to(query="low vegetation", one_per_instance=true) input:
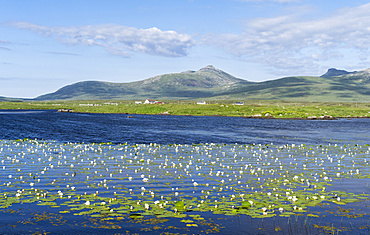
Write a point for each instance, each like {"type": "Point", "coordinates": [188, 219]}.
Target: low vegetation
{"type": "Point", "coordinates": [255, 109]}
{"type": "Point", "coordinates": [187, 185]}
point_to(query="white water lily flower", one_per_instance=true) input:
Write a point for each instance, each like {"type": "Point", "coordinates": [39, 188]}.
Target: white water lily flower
{"type": "Point", "coordinates": [87, 203]}
{"type": "Point", "coordinates": [145, 179]}
{"type": "Point", "coordinates": [195, 184]}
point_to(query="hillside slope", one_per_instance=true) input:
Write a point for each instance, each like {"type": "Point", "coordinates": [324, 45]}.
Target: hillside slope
{"type": "Point", "coordinates": [212, 83]}
{"type": "Point", "coordinates": [354, 87]}
{"type": "Point", "coordinates": [203, 83]}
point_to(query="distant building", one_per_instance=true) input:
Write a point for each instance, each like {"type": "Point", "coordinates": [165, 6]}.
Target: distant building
{"type": "Point", "coordinates": [138, 102]}
{"type": "Point", "coordinates": [201, 102]}
{"type": "Point", "coordinates": [149, 101]}
{"type": "Point", "coordinates": [239, 103]}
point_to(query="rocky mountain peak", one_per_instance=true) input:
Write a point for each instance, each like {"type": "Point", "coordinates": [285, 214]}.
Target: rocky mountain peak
{"type": "Point", "coordinates": [333, 72]}
{"type": "Point", "coordinates": [209, 68]}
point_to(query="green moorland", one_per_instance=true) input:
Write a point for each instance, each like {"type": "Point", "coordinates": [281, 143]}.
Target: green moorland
{"type": "Point", "coordinates": [270, 109]}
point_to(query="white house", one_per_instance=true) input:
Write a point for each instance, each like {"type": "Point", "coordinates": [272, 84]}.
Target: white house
{"type": "Point", "coordinates": [138, 102]}
{"type": "Point", "coordinates": [149, 101]}
{"type": "Point", "coordinates": [201, 102]}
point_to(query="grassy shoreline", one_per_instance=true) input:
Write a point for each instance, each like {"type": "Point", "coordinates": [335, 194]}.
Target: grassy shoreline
{"type": "Point", "coordinates": [250, 109]}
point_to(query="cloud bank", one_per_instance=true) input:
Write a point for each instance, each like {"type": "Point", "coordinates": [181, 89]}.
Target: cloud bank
{"type": "Point", "coordinates": [292, 42]}
{"type": "Point", "coordinates": [117, 39]}
{"type": "Point", "coordinates": [288, 43]}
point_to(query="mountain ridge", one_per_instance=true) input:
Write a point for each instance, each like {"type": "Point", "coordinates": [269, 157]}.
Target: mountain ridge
{"type": "Point", "coordinates": [212, 83]}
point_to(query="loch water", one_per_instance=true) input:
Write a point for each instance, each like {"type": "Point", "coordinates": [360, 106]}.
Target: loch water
{"type": "Point", "coordinates": [163, 129]}
{"type": "Point", "coordinates": [74, 173]}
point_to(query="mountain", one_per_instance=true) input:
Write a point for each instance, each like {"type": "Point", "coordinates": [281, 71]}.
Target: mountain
{"type": "Point", "coordinates": [2, 99]}
{"type": "Point", "coordinates": [212, 83]}
{"type": "Point", "coordinates": [203, 83]}
{"type": "Point", "coordinates": [335, 72]}
{"type": "Point", "coordinates": [346, 86]}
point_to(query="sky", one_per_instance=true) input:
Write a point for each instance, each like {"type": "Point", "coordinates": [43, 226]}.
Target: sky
{"type": "Point", "coordinates": [45, 45]}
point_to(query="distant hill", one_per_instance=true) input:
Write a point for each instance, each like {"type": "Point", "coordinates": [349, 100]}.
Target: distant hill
{"type": "Point", "coordinates": [2, 98]}
{"type": "Point", "coordinates": [206, 82]}
{"type": "Point", "coordinates": [212, 83]}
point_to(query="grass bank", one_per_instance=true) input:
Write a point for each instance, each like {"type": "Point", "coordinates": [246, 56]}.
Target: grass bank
{"type": "Point", "coordinates": [223, 108]}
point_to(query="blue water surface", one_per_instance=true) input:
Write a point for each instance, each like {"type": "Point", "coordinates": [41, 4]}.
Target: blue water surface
{"type": "Point", "coordinates": [120, 128]}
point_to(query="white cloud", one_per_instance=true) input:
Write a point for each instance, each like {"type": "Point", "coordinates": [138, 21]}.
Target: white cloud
{"type": "Point", "coordinates": [118, 39]}
{"type": "Point", "coordinates": [287, 40]}
{"type": "Point", "coordinates": [62, 53]}
{"type": "Point", "coordinates": [2, 43]}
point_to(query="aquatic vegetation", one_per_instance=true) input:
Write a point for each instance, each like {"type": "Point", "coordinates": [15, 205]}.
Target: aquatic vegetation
{"type": "Point", "coordinates": [111, 182]}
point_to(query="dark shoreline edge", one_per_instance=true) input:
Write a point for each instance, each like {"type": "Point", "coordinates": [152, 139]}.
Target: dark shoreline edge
{"type": "Point", "coordinates": [321, 118]}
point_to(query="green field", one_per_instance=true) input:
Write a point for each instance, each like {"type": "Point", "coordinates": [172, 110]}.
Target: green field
{"type": "Point", "coordinates": [222, 108]}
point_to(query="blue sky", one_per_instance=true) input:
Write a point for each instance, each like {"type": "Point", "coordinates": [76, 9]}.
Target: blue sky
{"type": "Point", "coordinates": [45, 44]}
